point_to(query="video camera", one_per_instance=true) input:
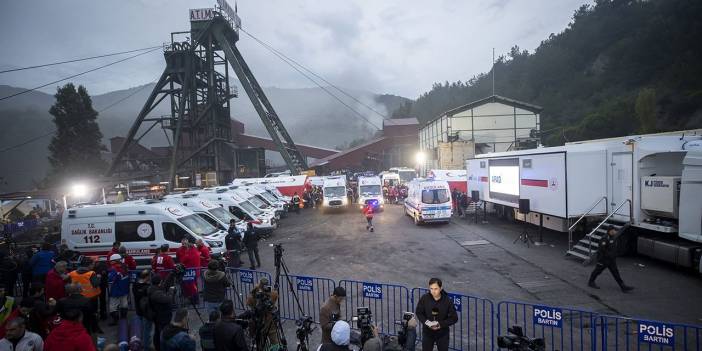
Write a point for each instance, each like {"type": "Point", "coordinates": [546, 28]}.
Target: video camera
{"type": "Point", "coordinates": [517, 341]}
{"type": "Point", "coordinates": [364, 322]}
{"type": "Point", "coordinates": [402, 333]}
{"type": "Point", "coordinates": [304, 327]}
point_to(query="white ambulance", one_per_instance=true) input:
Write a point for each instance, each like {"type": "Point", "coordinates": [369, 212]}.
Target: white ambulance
{"type": "Point", "coordinates": [334, 191]}
{"type": "Point", "coordinates": [142, 227]}
{"type": "Point", "coordinates": [260, 193]}
{"type": "Point", "coordinates": [241, 208]}
{"type": "Point", "coordinates": [209, 211]}
{"type": "Point", "coordinates": [370, 190]}
{"type": "Point", "coordinates": [428, 200]}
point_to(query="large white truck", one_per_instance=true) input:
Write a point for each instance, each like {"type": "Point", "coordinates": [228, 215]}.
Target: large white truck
{"type": "Point", "coordinates": [652, 182]}
{"type": "Point", "coordinates": [334, 192]}
{"type": "Point", "coordinates": [370, 191]}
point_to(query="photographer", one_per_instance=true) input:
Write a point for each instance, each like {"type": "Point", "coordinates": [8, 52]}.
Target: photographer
{"type": "Point", "coordinates": [436, 312]}
{"type": "Point", "coordinates": [330, 312]}
{"type": "Point", "coordinates": [215, 284]}
{"type": "Point", "coordinates": [340, 338]}
{"type": "Point", "coordinates": [262, 301]}
{"type": "Point", "coordinates": [404, 341]}
{"type": "Point", "coordinates": [228, 334]}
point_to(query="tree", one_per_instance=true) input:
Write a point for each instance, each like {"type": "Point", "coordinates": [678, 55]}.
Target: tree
{"type": "Point", "coordinates": [76, 145]}
{"type": "Point", "coordinates": [645, 109]}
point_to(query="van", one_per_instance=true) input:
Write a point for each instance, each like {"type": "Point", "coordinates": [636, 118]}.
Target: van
{"type": "Point", "coordinates": [334, 192]}
{"type": "Point", "coordinates": [254, 200]}
{"type": "Point", "coordinates": [209, 211]}
{"type": "Point", "coordinates": [260, 193]}
{"type": "Point", "coordinates": [141, 226]}
{"type": "Point", "coordinates": [241, 208]}
{"type": "Point", "coordinates": [370, 191]}
{"type": "Point", "coordinates": [428, 200]}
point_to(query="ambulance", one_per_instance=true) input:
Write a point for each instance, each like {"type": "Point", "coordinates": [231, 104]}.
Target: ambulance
{"type": "Point", "coordinates": [256, 201]}
{"type": "Point", "coordinates": [334, 192]}
{"type": "Point", "coordinates": [241, 208]}
{"type": "Point", "coordinates": [370, 191]}
{"type": "Point", "coordinates": [428, 200]}
{"type": "Point", "coordinates": [142, 227]}
{"type": "Point", "coordinates": [209, 211]}
{"type": "Point", "coordinates": [280, 207]}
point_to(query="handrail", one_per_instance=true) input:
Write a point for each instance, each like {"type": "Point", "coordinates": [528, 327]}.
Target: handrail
{"type": "Point", "coordinates": [570, 229]}
{"type": "Point", "coordinates": [589, 236]}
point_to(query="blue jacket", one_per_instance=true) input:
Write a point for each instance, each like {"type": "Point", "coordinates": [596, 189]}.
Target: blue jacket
{"type": "Point", "coordinates": [42, 262]}
{"type": "Point", "coordinates": [119, 283]}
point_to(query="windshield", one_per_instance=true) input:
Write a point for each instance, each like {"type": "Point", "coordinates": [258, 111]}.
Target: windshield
{"type": "Point", "coordinates": [197, 225]}
{"type": "Point", "coordinates": [335, 191]}
{"type": "Point", "coordinates": [406, 176]}
{"type": "Point", "coordinates": [370, 190]}
{"type": "Point", "coordinates": [270, 198]}
{"type": "Point", "coordinates": [276, 192]}
{"type": "Point", "coordinates": [223, 215]}
{"type": "Point", "coordinates": [248, 207]}
{"type": "Point", "coordinates": [435, 196]}
{"type": "Point", "coordinates": [258, 202]}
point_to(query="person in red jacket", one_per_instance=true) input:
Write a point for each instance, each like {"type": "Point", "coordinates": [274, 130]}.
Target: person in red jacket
{"type": "Point", "coordinates": [115, 250]}
{"type": "Point", "coordinates": [368, 213]}
{"type": "Point", "coordinates": [189, 257]}
{"type": "Point", "coordinates": [56, 281]}
{"type": "Point", "coordinates": [162, 263]}
{"type": "Point", "coordinates": [204, 252]}
{"type": "Point", "coordinates": [127, 259]}
{"type": "Point", "coordinates": [69, 335]}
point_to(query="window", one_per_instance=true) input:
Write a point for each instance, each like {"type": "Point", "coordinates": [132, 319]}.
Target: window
{"type": "Point", "coordinates": [197, 225]}
{"type": "Point", "coordinates": [239, 213]}
{"type": "Point", "coordinates": [435, 196]}
{"type": "Point", "coordinates": [134, 231]}
{"type": "Point", "coordinates": [210, 220]}
{"type": "Point", "coordinates": [175, 233]}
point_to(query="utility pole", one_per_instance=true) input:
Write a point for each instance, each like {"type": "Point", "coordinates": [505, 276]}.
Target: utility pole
{"type": "Point", "coordinates": [493, 71]}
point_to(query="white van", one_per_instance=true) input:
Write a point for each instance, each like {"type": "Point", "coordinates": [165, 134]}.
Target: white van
{"type": "Point", "coordinates": [142, 227]}
{"type": "Point", "coordinates": [262, 194]}
{"type": "Point", "coordinates": [390, 179]}
{"type": "Point", "coordinates": [209, 211]}
{"type": "Point", "coordinates": [370, 191]}
{"type": "Point", "coordinates": [241, 208]}
{"type": "Point", "coordinates": [334, 191]}
{"type": "Point", "coordinates": [428, 200]}
{"type": "Point", "coordinates": [254, 200]}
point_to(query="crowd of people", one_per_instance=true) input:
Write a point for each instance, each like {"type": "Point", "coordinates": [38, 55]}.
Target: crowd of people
{"type": "Point", "coordinates": [460, 200]}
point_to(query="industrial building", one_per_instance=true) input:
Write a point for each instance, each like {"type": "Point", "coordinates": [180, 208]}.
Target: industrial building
{"type": "Point", "coordinates": [492, 124]}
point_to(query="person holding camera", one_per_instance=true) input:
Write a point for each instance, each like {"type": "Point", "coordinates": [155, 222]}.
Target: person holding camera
{"type": "Point", "coordinates": [251, 242]}
{"type": "Point", "coordinates": [228, 334]}
{"type": "Point", "coordinates": [436, 312]}
{"type": "Point", "coordinates": [215, 283]}
{"type": "Point", "coordinates": [340, 338]}
{"type": "Point", "coordinates": [262, 301]}
{"type": "Point", "coordinates": [330, 313]}
{"type": "Point", "coordinates": [404, 341]}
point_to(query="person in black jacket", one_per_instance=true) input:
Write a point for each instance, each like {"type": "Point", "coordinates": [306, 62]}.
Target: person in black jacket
{"type": "Point", "coordinates": [251, 242]}
{"type": "Point", "coordinates": [160, 302]}
{"type": "Point", "coordinates": [607, 258]}
{"type": "Point", "coordinates": [436, 312]}
{"type": "Point", "coordinates": [74, 300]}
{"type": "Point", "coordinates": [234, 245]}
{"type": "Point", "coordinates": [228, 335]}
{"type": "Point", "coordinates": [140, 291]}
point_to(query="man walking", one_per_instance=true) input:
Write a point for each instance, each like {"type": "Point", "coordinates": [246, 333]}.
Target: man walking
{"type": "Point", "coordinates": [436, 312]}
{"type": "Point", "coordinates": [607, 258]}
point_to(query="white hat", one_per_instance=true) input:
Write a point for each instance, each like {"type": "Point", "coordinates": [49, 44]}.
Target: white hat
{"type": "Point", "coordinates": [115, 257]}
{"type": "Point", "coordinates": [341, 333]}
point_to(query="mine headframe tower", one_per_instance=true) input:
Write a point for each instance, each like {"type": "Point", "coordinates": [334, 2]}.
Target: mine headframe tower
{"type": "Point", "coordinates": [196, 81]}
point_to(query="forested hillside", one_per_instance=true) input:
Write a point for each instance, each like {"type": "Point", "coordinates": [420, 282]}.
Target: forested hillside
{"type": "Point", "coordinates": [620, 67]}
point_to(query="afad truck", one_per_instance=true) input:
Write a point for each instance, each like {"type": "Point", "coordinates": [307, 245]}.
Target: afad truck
{"type": "Point", "coordinates": [652, 182]}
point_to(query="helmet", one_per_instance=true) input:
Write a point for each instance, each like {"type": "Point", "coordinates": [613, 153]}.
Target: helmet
{"type": "Point", "coordinates": [115, 257]}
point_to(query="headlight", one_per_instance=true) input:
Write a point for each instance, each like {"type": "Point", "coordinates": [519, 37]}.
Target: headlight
{"type": "Point", "coordinates": [214, 243]}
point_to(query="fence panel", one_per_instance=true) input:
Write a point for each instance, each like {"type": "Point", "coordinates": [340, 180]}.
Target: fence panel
{"type": "Point", "coordinates": [561, 328]}
{"type": "Point", "coordinates": [312, 293]}
{"type": "Point", "coordinates": [243, 281]}
{"type": "Point", "coordinates": [475, 329]}
{"type": "Point", "coordinates": [387, 302]}
{"type": "Point", "coordinates": [620, 333]}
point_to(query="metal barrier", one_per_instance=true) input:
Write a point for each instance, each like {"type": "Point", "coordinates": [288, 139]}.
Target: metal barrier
{"type": "Point", "coordinates": [312, 293]}
{"type": "Point", "coordinates": [475, 329]}
{"type": "Point", "coordinates": [620, 333]}
{"type": "Point", "coordinates": [387, 302]}
{"type": "Point", "coordinates": [243, 281]}
{"type": "Point", "coordinates": [561, 328]}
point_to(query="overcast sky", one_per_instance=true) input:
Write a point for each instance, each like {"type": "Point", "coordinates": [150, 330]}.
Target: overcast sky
{"type": "Point", "coordinates": [398, 47]}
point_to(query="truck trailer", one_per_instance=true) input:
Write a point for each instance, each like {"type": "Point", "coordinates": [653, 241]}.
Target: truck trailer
{"type": "Point", "coordinates": [652, 182]}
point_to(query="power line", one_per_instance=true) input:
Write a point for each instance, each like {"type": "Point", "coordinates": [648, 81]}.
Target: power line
{"type": "Point", "coordinates": [78, 74]}
{"type": "Point", "coordinates": [77, 60]}
{"type": "Point", "coordinates": [31, 140]}
{"type": "Point", "coordinates": [288, 61]}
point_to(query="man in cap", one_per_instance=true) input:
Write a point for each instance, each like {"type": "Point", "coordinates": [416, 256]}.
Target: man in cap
{"type": "Point", "coordinates": [607, 258]}
{"type": "Point", "coordinates": [340, 338]}
{"type": "Point", "coordinates": [330, 312]}
{"type": "Point", "coordinates": [119, 288]}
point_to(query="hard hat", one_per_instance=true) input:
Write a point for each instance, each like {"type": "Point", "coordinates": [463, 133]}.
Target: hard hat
{"type": "Point", "coordinates": [115, 257]}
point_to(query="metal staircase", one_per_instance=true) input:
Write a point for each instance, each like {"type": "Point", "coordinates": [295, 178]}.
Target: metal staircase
{"type": "Point", "coordinates": [586, 248]}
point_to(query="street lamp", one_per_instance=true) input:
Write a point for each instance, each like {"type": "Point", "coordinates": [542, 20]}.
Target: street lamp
{"type": "Point", "coordinates": [79, 190]}
{"type": "Point", "coordinates": [420, 158]}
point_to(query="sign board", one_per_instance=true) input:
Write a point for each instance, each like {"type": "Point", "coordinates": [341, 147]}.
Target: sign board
{"type": "Point", "coordinates": [456, 301]}
{"type": "Point", "coordinates": [201, 15]}
{"type": "Point", "coordinates": [548, 316]}
{"type": "Point", "coordinates": [656, 333]}
{"type": "Point", "coordinates": [304, 283]}
{"type": "Point", "coordinates": [189, 275]}
{"type": "Point", "coordinates": [100, 232]}
{"type": "Point", "coordinates": [246, 277]}
{"type": "Point", "coordinates": [372, 291]}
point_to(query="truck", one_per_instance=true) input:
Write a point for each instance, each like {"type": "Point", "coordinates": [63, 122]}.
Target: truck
{"type": "Point", "coordinates": [288, 185]}
{"type": "Point", "coordinates": [651, 182]}
{"type": "Point", "coordinates": [456, 178]}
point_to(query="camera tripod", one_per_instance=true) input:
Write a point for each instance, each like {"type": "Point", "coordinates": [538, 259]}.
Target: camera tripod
{"type": "Point", "coordinates": [175, 278]}
{"type": "Point", "coordinates": [524, 236]}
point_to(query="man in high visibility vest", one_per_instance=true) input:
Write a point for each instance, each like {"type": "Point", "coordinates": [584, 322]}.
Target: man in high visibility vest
{"type": "Point", "coordinates": [89, 282]}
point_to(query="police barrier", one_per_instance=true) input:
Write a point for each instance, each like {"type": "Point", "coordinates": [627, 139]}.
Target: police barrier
{"type": "Point", "coordinates": [475, 327]}
{"type": "Point", "coordinates": [387, 302]}
{"type": "Point", "coordinates": [312, 293]}
{"type": "Point", "coordinates": [620, 333]}
{"type": "Point", "coordinates": [561, 328]}
{"type": "Point", "coordinates": [243, 282]}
